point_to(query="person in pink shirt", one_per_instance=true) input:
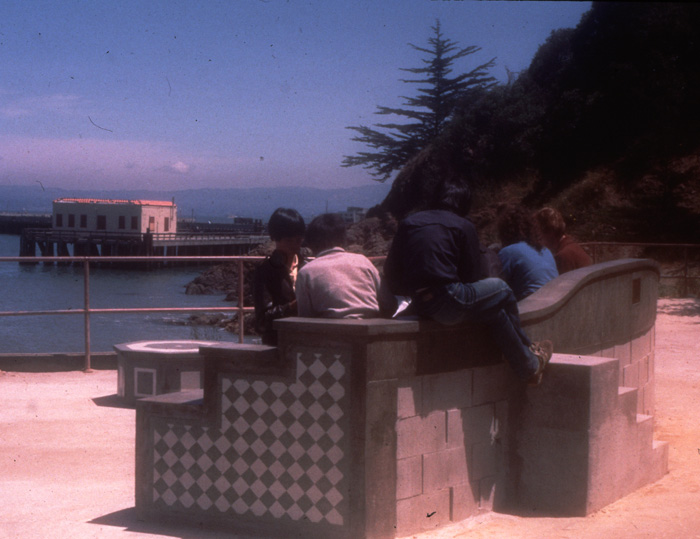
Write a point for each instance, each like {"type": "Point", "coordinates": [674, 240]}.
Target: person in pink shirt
{"type": "Point", "coordinates": [338, 284]}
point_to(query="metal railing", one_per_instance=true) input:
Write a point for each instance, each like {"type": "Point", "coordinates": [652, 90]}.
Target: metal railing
{"type": "Point", "coordinates": [87, 310]}
{"type": "Point", "coordinates": [595, 249]}
{"type": "Point", "coordinates": [75, 234]}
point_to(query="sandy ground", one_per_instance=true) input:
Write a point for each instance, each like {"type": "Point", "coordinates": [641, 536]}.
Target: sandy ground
{"type": "Point", "coordinates": [67, 458]}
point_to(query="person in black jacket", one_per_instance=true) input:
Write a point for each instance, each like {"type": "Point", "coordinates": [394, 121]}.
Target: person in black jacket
{"type": "Point", "coordinates": [435, 259]}
{"type": "Point", "coordinates": [275, 277]}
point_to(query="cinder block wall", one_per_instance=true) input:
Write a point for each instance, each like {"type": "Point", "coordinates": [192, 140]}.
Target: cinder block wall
{"type": "Point", "coordinates": [450, 454]}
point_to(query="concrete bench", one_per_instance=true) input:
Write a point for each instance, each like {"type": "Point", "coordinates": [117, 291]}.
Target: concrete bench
{"type": "Point", "coordinates": [383, 428]}
{"type": "Point", "coordinates": [149, 368]}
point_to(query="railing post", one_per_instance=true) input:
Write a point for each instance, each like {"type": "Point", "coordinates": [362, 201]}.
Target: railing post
{"type": "Point", "coordinates": [241, 301]}
{"type": "Point", "coordinates": [685, 272]}
{"type": "Point", "coordinates": [86, 282]}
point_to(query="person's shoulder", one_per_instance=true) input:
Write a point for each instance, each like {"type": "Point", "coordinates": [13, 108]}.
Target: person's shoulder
{"type": "Point", "coordinates": [357, 257]}
{"type": "Point", "coordinates": [548, 255]}
{"type": "Point", "coordinates": [520, 249]}
{"type": "Point", "coordinates": [437, 217]}
{"type": "Point", "coordinates": [264, 267]}
{"type": "Point", "coordinates": [330, 257]}
{"type": "Point", "coordinates": [512, 248]}
{"type": "Point", "coordinates": [569, 245]}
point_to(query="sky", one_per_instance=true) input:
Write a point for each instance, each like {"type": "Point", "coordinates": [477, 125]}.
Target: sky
{"type": "Point", "coordinates": [176, 94]}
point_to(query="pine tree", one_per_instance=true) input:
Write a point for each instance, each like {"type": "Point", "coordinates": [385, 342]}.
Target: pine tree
{"type": "Point", "coordinates": [430, 109]}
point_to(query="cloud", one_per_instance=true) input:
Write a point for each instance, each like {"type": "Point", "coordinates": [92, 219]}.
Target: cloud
{"type": "Point", "coordinates": [73, 163]}
{"type": "Point", "coordinates": [70, 162]}
{"type": "Point", "coordinates": [182, 168]}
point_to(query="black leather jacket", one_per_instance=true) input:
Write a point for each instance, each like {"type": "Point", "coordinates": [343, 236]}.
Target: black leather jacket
{"type": "Point", "coordinates": [273, 294]}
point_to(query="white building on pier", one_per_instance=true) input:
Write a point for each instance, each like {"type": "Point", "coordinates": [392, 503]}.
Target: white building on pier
{"type": "Point", "coordinates": [114, 215]}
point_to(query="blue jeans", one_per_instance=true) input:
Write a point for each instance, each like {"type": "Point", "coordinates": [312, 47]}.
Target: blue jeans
{"type": "Point", "coordinates": [489, 301]}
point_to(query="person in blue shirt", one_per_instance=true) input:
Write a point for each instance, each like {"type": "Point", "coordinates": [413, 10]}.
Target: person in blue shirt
{"type": "Point", "coordinates": [526, 264]}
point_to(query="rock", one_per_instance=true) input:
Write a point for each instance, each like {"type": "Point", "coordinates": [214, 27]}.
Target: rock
{"type": "Point", "coordinates": [193, 289]}
{"type": "Point", "coordinates": [215, 319]}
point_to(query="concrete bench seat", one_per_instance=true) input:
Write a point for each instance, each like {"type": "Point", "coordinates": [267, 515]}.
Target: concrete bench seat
{"type": "Point", "coordinates": [148, 368]}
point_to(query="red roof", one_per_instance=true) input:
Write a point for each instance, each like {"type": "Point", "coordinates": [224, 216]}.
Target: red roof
{"type": "Point", "coordinates": [116, 201]}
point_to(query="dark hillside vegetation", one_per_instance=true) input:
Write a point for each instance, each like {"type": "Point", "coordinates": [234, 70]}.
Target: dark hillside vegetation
{"type": "Point", "coordinates": [604, 124]}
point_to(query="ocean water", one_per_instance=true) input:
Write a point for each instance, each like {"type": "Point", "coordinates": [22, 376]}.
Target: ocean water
{"type": "Point", "coordinates": [43, 287]}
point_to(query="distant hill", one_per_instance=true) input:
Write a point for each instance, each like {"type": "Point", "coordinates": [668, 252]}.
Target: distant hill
{"type": "Point", "coordinates": [209, 204]}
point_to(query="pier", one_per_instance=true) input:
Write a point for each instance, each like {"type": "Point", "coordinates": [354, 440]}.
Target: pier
{"type": "Point", "coordinates": [52, 242]}
{"type": "Point", "coordinates": [15, 222]}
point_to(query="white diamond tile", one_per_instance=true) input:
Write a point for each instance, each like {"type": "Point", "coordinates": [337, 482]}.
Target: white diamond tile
{"type": "Point", "coordinates": [314, 515]}
{"type": "Point", "coordinates": [187, 500]}
{"type": "Point", "coordinates": [187, 480]}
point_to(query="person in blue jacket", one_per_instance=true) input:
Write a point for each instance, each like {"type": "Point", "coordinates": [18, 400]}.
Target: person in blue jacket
{"type": "Point", "coordinates": [526, 264]}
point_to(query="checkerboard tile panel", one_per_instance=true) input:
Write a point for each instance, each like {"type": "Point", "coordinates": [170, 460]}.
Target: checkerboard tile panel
{"type": "Point", "coordinates": [281, 452]}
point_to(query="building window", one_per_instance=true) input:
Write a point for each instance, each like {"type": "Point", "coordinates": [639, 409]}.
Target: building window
{"type": "Point", "coordinates": [101, 222]}
{"type": "Point", "coordinates": [134, 222]}
{"type": "Point", "coordinates": [166, 224]}
{"type": "Point", "coordinates": [83, 221]}
{"type": "Point", "coordinates": [122, 222]}
{"type": "Point", "coordinates": [71, 220]}
{"type": "Point", "coordinates": [152, 224]}
{"type": "Point", "coordinates": [59, 220]}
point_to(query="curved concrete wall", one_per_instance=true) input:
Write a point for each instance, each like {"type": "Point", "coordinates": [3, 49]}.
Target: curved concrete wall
{"type": "Point", "coordinates": [606, 310]}
{"type": "Point", "coordinates": [594, 308]}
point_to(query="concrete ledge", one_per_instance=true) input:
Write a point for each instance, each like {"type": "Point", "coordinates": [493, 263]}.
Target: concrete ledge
{"type": "Point", "coordinates": [552, 296]}
{"type": "Point", "coordinates": [243, 358]}
{"type": "Point", "coordinates": [595, 309]}
{"type": "Point", "coordinates": [191, 397]}
{"type": "Point", "coordinates": [374, 327]}
{"type": "Point", "coordinates": [549, 299]}
{"type": "Point", "coordinates": [186, 404]}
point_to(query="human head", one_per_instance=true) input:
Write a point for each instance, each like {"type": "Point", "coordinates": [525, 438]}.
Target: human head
{"type": "Point", "coordinates": [285, 223]}
{"type": "Point", "coordinates": [551, 225]}
{"type": "Point", "coordinates": [453, 196]}
{"type": "Point", "coordinates": [326, 231]}
{"type": "Point", "coordinates": [516, 224]}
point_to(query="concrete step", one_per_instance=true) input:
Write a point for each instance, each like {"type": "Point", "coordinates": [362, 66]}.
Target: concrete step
{"type": "Point", "coordinates": [627, 401]}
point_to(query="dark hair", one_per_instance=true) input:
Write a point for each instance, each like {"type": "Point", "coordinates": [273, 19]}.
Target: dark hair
{"type": "Point", "coordinates": [453, 196]}
{"type": "Point", "coordinates": [285, 223]}
{"type": "Point", "coordinates": [326, 231]}
{"type": "Point", "coordinates": [551, 222]}
{"type": "Point", "coordinates": [516, 224]}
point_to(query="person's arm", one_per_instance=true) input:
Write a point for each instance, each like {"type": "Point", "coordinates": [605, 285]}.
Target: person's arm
{"type": "Point", "coordinates": [265, 309]}
{"type": "Point", "coordinates": [385, 298]}
{"type": "Point", "coordinates": [506, 265]}
{"type": "Point", "coordinates": [469, 265]}
{"type": "Point", "coordinates": [260, 301]}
